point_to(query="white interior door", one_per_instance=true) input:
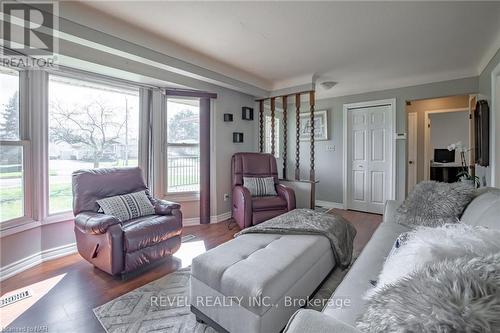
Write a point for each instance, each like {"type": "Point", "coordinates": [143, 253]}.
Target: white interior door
{"type": "Point", "coordinates": [369, 156]}
{"type": "Point", "coordinates": [412, 151]}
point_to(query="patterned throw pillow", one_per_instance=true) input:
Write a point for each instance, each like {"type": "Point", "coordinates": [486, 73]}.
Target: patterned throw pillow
{"type": "Point", "coordinates": [434, 204]}
{"type": "Point", "coordinates": [128, 206]}
{"type": "Point", "coordinates": [260, 186]}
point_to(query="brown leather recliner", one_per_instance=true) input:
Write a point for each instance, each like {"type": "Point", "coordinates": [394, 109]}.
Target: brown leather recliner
{"type": "Point", "coordinates": [121, 247]}
{"type": "Point", "coordinates": [248, 210]}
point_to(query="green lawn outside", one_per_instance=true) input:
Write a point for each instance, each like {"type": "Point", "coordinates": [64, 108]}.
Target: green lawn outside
{"type": "Point", "coordinates": [177, 178]}
{"type": "Point", "coordinates": [61, 198]}
{"type": "Point", "coordinates": [18, 174]}
{"type": "Point", "coordinates": [10, 204]}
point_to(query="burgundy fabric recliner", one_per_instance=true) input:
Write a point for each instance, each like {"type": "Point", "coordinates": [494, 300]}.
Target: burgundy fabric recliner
{"type": "Point", "coordinates": [248, 210]}
{"type": "Point", "coordinates": [121, 247]}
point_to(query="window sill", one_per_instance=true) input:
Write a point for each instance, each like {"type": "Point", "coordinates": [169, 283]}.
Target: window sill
{"type": "Point", "coordinates": [59, 217]}
{"type": "Point", "coordinates": [182, 197]}
{"type": "Point", "coordinates": [18, 225]}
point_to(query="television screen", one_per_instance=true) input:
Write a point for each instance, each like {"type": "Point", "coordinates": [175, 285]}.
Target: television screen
{"type": "Point", "coordinates": [444, 156]}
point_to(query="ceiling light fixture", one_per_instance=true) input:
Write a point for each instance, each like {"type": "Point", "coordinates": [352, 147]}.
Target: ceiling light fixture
{"type": "Point", "coordinates": [328, 84]}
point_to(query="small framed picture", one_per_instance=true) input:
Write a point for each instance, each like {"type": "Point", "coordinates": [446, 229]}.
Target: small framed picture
{"type": "Point", "coordinates": [228, 117]}
{"type": "Point", "coordinates": [320, 126]}
{"type": "Point", "coordinates": [237, 137]}
{"type": "Point", "coordinates": [246, 113]}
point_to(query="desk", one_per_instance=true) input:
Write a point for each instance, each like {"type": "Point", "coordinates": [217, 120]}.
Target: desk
{"type": "Point", "coordinates": [445, 172]}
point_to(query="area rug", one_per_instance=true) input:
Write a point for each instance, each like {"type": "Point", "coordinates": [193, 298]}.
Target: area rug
{"type": "Point", "coordinates": [136, 312]}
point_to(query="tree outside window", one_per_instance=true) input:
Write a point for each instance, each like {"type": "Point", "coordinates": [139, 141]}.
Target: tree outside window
{"type": "Point", "coordinates": [91, 125]}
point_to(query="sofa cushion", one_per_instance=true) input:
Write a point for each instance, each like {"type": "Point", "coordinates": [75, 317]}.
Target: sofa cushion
{"type": "Point", "coordinates": [149, 230]}
{"type": "Point", "coordinates": [268, 203]}
{"type": "Point", "coordinates": [310, 321]}
{"type": "Point", "coordinates": [260, 267]}
{"type": "Point", "coordinates": [484, 210]}
{"type": "Point", "coordinates": [347, 303]}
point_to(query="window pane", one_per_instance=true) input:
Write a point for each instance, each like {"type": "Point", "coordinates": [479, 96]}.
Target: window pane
{"type": "Point", "coordinates": [183, 119]}
{"type": "Point", "coordinates": [9, 104]}
{"type": "Point", "coordinates": [183, 153]}
{"type": "Point", "coordinates": [90, 126]}
{"type": "Point", "coordinates": [183, 169]}
{"type": "Point", "coordinates": [11, 183]}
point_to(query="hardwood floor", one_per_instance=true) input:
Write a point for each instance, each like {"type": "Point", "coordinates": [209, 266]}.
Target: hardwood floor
{"type": "Point", "coordinates": [69, 288]}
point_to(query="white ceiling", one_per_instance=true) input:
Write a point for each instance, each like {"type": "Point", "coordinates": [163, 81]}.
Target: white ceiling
{"type": "Point", "coordinates": [364, 46]}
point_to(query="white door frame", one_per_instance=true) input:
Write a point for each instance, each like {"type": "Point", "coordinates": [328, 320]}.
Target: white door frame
{"type": "Point", "coordinates": [494, 126]}
{"type": "Point", "coordinates": [414, 130]}
{"type": "Point", "coordinates": [351, 106]}
{"type": "Point", "coordinates": [427, 136]}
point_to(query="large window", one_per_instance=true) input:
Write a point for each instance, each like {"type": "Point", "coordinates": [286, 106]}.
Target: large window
{"type": "Point", "coordinates": [91, 125]}
{"type": "Point", "coordinates": [183, 151]}
{"type": "Point", "coordinates": [11, 148]}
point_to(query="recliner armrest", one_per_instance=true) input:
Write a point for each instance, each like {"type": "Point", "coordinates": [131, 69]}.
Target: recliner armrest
{"type": "Point", "coordinates": [242, 194]}
{"type": "Point", "coordinates": [310, 321]}
{"type": "Point", "coordinates": [94, 223]}
{"type": "Point", "coordinates": [164, 207]}
{"type": "Point", "coordinates": [288, 194]}
{"type": "Point", "coordinates": [242, 206]}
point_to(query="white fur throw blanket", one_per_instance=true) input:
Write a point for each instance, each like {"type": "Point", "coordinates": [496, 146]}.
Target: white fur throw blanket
{"type": "Point", "coordinates": [450, 296]}
{"type": "Point", "coordinates": [425, 245]}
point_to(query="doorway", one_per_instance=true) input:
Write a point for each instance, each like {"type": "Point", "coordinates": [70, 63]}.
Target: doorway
{"type": "Point", "coordinates": [433, 126]}
{"type": "Point", "coordinates": [369, 155]}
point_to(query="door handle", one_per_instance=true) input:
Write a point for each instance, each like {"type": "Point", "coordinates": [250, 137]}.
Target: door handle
{"type": "Point", "coordinates": [410, 162]}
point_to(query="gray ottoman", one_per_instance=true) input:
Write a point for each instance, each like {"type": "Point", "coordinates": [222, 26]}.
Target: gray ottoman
{"type": "Point", "coordinates": [254, 282]}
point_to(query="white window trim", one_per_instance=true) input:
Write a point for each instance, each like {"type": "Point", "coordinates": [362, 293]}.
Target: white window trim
{"type": "Point", "coordinates": [64, 216]}
{"type": "Point", "coordinates": [26, 221]}
{"type": "Point", "coordinates": [187, 196]}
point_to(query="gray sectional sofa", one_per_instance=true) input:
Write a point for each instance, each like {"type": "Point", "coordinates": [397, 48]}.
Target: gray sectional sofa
{"type": "Point", "coordinates": [347, 304]}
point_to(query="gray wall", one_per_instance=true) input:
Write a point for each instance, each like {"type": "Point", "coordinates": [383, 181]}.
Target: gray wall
{"type": "Point", "coordinates": [229, 102]}
{"type": "Point", "coordinates": [485, 92]}
{"type": "Point", "coordinates": [329, 164]}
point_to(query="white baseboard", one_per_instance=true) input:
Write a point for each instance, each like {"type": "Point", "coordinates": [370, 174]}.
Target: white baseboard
{"type": "Point", "coordinates": [213, 219]}
{"type": "Point", "coordinates": [36, 259]}
{"type": "Point", "coordinates": [329, 204]}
